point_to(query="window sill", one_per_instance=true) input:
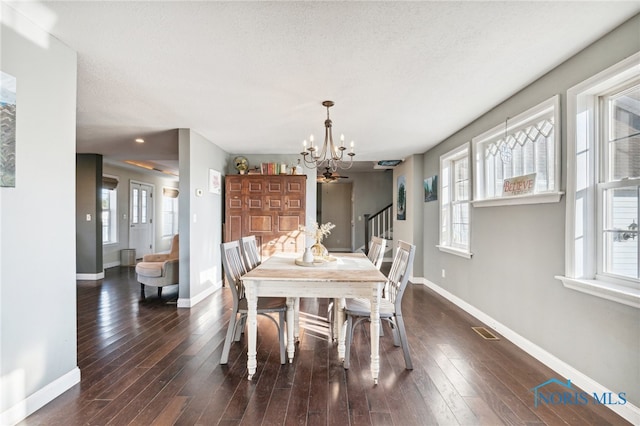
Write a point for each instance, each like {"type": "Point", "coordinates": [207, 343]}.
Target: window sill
{"type": "Point", "coordinates": [604, 289]}
{"type": "Point", "coordinates": [455, 251]}
{"type": "Point", "coordinates": [547, 197]}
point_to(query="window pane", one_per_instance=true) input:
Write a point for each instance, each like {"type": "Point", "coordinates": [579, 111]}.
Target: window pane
{"type": "Point", "coordinates": [621, 231]}
{"type": "Point", "coordinates": [143, 207]}
{"type": "Point", "coordinates": [460, 224]}
{"type": "Point", "coordinates": [134, 206]}
{"type": "Point", "coordinates": [624, 134]}
{"type": "Point", "coordinates": [109, 215]}
{"type": "Point", "coordinates": [105, 226]}
{"type": "Point", "coordinates": [520, 147]}
{"type": "Point", "coordinates": [461, 184]}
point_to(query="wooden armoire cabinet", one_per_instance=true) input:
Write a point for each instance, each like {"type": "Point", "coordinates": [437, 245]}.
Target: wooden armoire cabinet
{"type": "Point", "coordinates": [271, 207]}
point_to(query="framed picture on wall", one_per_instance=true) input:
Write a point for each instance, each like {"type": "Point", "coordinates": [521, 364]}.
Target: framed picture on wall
{"type": "Point", "coordinates": [8, 130]}
{"type": "Point", "coordinates": [431, 188]}
{"type": "Point", "coordinates": [402, 198]}
{"type": "Point", "coordinates": [215, 183]}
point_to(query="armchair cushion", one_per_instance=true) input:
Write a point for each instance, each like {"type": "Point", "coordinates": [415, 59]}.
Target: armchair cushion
{"type": "Point", "coordinates": [158, 273]}
{"type": "Point", "coordinates": [159, 270]}
{"type": "Point", "coordinates": [150, 269]}
{"type": "Point", "coordinates": [155, 257]}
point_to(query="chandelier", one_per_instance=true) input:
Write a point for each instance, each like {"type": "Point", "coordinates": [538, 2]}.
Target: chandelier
{"type": "Point", "coordinates": [331, 155]}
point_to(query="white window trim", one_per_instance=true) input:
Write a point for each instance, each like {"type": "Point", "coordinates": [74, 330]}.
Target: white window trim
{"type": "Point", "coordinates": [455, 251]}
{"type": "Point", "coordinates": [449, 157]}
{"type": "Point", "coordinates": [513, 124]}
{"type": "Point", "coordinates": [593, 284]}
{"type": "Point", "coordinates": [116, 230]}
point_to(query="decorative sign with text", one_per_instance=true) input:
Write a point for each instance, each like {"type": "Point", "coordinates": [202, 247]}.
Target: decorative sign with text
{"type": "Point", "coordinates": [519, 185]}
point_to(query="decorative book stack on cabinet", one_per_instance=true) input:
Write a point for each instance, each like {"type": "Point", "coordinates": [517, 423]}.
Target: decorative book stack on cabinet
{"type": "Point", "coordinates": [270, 207]}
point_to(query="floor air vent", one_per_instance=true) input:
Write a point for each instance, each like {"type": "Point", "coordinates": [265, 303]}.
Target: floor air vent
{"type": "Point", "coordinates": [486, 334]}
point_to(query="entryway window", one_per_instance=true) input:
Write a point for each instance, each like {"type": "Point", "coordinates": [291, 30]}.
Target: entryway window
{"type": "Point", "coordinates": [109, 214]}
{"type": "Point", "coordinates": [169, 212]}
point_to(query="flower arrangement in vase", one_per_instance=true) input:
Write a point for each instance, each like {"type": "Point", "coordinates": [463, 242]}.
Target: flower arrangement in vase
{"type": "Point", "coordinates": [319, 232]}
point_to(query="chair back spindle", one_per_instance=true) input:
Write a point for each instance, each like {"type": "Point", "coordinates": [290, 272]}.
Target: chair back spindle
{"type": "Point", "coordinates": [250, 253]}
{"type": "Point", "coordinates": [399, 273]}
{"type": "Point", "coordinates": [376, 250]}
{"type": "Point", "coordinates": [234, 268]}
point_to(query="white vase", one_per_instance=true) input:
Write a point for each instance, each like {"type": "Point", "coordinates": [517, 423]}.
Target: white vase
{"type": "Point", "coordinates": [308, 255]}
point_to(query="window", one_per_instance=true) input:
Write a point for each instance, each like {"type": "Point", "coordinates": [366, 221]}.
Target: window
{"type": "Point", "coordinates": [518, 162]}
{"type": "Point", "coordinates": [455, 188]}
{"type": "Point", "coordinates": [169, 212]}
{"type": "Point", "coordinates": [109, 210]}
{"type": "Point", "coordinates": [603, 185]}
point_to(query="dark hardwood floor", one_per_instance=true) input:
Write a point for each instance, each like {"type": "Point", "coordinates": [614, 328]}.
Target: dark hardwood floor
{"type": "Point", "coordinates": [149, 363]}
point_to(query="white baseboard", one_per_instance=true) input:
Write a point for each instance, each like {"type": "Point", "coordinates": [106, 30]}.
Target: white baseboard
{"type": "Point", "coordinates": [628, 411]}
{"type": "Point", "coordinates": [111, 265]}
{"type": "Point", "coordinates": [40, 398]}
{"type": "Point", "coordinates": [90, 277]}
{"type": "Point", "coordinates": [190, 302]}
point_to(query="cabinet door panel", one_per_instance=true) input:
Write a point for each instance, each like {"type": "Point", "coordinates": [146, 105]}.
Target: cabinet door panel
{"type": "Point", "coordinates": [233, 186]}
{"type": "Point", "coordinates": [234, 227]}
{"type": "Point", "coordinates": [273, 203]}
{"type": "Point", "coordinates": [254, 186]}
{"type": "Point", "coordinates": [260, 223]}
{"type": "Point", "coordinates": [289, 223]}
{"type": "Point", "coordinates": [274, 186]}
{"type": "Point", "coordinates": [234, 203]}
{"type": "Point", "coordinates": [295, 186]}
{"type": "Point", "coordinates": [255, 203]}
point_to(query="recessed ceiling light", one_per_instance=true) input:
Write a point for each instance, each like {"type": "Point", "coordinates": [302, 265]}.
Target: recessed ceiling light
{"type": "Point", "coordinates": [140, 140]}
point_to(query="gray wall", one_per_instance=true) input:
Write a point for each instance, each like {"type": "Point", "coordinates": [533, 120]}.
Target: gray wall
{"type": "Point", "coordinates": [372, 191]}
{"type": "Point", "coordinates": [88, 215]}
{"type": "Point", "coordinates": [335, 204]}
{"type": "Point", "coordinates": [37, 223]}
{"type": "Point", "coordinates": [200, 222]}
{"type": "Point", "coordinates": [410, 230]}
{"type": "Point", "coordinates": [517, 250]}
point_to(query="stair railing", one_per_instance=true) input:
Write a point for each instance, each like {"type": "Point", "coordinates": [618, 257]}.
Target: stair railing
{"type": "Point", "coordinates": [378, 225]}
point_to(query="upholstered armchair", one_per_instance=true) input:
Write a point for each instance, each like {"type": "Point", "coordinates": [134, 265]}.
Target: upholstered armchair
{"type": "Point", "coordinates": [159, 269]}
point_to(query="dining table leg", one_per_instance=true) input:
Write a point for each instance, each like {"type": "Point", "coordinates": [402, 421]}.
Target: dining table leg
{"type": "Point", "coordinates": [338, 326]}
{"type": "Point", "coordinates": [375, 333]}
{"type": "Point", "coordinates": [296, 322]}
{"type": "Point", "coordinates": [252, 330]}
{"type": "Point", "coordinates": [293, 304]}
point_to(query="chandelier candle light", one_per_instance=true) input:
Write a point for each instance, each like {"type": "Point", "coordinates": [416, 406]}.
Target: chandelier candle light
{"type": "Point", "coordinates": [331, 155]}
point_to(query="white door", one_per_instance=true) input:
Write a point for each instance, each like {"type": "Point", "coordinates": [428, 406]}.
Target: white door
{"type": "Point", "coordinates": [141, 218]}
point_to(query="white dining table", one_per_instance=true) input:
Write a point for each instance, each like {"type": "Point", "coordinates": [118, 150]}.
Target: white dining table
{"type": "Point", "coordinates": [348, 275]}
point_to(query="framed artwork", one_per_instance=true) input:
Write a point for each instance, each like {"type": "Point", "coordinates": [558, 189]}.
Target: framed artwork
{"type": "Point", "coordinates": [431, 188]}
{"type": "Point", "coordinates": [402, 198]}
{"type": "Point", "coordinates": [215, 183]}
{"type": "Point", "coordinates": [7, 130]}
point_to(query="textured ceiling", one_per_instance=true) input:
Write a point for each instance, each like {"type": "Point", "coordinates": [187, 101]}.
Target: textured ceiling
{"type": "Point", "coordinates": [251, 76]}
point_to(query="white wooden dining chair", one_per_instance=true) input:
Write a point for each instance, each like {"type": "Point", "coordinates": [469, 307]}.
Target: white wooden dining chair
{"type": "Point", "coordinates": [249, 248]}
{"type": "Point", "coordinates": [234, 269]}
{"type": "Point", "coordinates": [376, 250]}
{"type": "Point", "coordinates": [376, 256]}
{"type": "Point", "coordinates": [357, 310]}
